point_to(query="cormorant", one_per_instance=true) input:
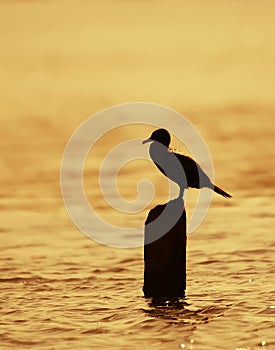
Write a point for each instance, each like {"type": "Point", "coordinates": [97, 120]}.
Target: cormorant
{"type": "Point", "coordinates": [178, 167]}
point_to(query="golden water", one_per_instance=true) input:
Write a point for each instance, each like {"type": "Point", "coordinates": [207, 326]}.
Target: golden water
{"type": "Point", "coordinates": [61, 61]}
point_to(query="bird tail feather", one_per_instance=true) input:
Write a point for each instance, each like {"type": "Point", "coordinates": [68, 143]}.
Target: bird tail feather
{"type": "Point", "coordinates": [222, 192]}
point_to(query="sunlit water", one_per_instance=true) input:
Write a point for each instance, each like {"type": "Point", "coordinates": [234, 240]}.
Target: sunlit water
{"type": "Point", "coordinates": [59, 287]}
{"type": "Point", "coordinates": [215, 60]}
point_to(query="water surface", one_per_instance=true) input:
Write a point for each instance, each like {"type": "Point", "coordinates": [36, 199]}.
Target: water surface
{"type": "Point", "coordinates": [59, 289]}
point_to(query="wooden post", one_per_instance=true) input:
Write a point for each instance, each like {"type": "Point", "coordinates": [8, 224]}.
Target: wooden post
{"type": "Point", "coordinates": [165, 251]}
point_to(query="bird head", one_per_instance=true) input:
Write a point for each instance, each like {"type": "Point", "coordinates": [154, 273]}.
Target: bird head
{"type": "Point", "coordinates": [160, 135]}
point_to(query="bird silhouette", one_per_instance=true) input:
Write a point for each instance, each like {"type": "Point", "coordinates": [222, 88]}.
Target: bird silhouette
{"type": "Point", "coordinates": [179, 168]}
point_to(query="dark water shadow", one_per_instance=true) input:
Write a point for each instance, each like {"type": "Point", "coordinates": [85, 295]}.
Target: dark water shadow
{"type": "Point", "coordinates": [181, 311]}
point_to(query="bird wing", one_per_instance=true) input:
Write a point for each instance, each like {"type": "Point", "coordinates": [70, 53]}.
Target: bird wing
{"type": "Point", "coordinates": [195, 176]}
{"type": "Point", "coordinates": [178, 167]}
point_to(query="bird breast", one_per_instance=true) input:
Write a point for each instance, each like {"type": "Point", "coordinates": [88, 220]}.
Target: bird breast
{"type": "Point", "coordinates": [168, 163]}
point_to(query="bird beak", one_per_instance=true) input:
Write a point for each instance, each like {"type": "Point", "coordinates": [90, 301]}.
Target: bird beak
{"type": "Point", "coordinates": [146, 141]}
